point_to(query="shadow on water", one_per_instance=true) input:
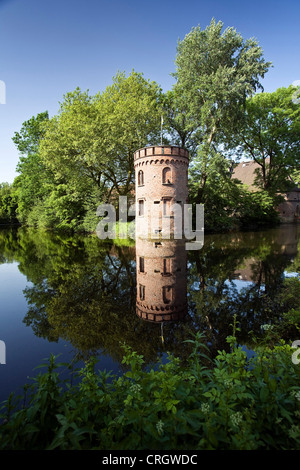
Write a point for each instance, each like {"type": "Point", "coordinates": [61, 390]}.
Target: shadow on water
{"type": "Point", "coordinates": [96, 295]}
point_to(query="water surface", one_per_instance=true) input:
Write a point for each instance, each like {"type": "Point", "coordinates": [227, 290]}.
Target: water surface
{"type": "Point", "coordinates": [77, 296]}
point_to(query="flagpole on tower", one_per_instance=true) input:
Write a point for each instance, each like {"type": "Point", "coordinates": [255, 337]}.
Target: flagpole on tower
{"type": "Point", "coordinates": [161, 130]}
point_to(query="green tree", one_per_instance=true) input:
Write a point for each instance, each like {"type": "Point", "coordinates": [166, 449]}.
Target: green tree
{"type": "Point", "coordinates": [215, 72]}
{"type": "Point", "coordinates": [295, 175]}
{"type": "Point", "coordinates": [92, 139]}
{"type": "Point", "coordinates": [8, 204]}
{"type": "Point", "coordinates": [181, 129]}
{"type": "Point", "coordinates": [34, 180]}
{"type": "Point", "coordinates": [132, 109]}
{"type": "Point", "coordinates": [271, 138]}
{"type": "Point", "coordinates": [32, 130]}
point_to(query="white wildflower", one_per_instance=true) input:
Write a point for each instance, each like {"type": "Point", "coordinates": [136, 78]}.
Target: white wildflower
{"type": "Point", "coordinates": [266, 327]}
{"type": "Point", "coordinates": [228, 383]}
{"type": "Point", "coordinates": [205, 408]}
{"type": "Point", "coordinates": [135, 388]}
{"type": "Point", "coordinates": [236, 418]}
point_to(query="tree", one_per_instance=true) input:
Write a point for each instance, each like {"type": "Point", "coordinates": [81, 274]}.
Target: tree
{"type": "Point", "coordinates": [94, 138]}
{"type": "Point", "coordinates": [271, 138]}
{"type": "Point", "coordinates": [215, 72]}
{"type": "Point", "coordinates": [8, 204]}
{"type": "Point", "coordinates": [32, 130]}
{"type": "Point", "coordinates": [34, 179]}
{"type": "Point", "coordinates": [180, 129]}
{"type": "Point", "coordinates": [132, 116]}
{"type": "Point", "coordinates": [79, 158]}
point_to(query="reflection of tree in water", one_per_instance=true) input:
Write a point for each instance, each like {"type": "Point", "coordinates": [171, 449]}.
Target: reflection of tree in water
{"type": "Point", "coordinates": [84, 291]}
{"type": "Point", "coordinates": [241, 274]}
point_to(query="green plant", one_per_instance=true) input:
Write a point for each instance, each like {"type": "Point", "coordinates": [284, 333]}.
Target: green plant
{"type": "Point", "coordinates": [231, 402]}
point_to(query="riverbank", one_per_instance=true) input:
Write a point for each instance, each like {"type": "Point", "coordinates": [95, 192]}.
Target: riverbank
{"type": "Point", "coordinates": [230, 403]}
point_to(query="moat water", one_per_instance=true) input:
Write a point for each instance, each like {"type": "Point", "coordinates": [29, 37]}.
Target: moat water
{"type": "Point", "coordinates": [78, 296]}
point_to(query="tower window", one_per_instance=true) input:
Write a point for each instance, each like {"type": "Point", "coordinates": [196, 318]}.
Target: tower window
{"type": "Point", "coordinates": [142, 264]}
{"type": "Point", "coordinates": [167, 266]}
{"type": "Point", "coordinates": [166, 206]}
{"type": "Point", "coordinates": [141, 207]}
{"type": "Point", "coordinates": [167, 176]}
{"type": "Point", "coordinates": [142, 292]}
{"type": "Point", "coordinates": [167, 294]}
{"type": "Point", "coordinates": [141, 178]}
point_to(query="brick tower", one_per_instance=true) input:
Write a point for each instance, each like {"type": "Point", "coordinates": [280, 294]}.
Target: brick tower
{"type": "Point", "coordinates": [161, 174]}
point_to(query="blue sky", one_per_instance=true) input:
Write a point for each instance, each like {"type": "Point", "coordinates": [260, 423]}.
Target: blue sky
{"type": "Point", "coordinates": [50, 48]}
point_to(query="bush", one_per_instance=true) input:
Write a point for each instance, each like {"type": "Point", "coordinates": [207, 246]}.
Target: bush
{"type": "Point", "coordinates": [234, 403]}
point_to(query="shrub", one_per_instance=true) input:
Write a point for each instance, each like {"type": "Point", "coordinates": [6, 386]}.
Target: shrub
{"type": "Point", "coordinates": [232, 403]}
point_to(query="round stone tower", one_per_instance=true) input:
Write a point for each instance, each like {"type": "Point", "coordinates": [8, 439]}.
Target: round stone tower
{"type": "Point", "coordinates": [161, 173]}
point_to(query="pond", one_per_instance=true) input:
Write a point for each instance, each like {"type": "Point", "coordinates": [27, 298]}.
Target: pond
{"type": "Point", "coordinates": [78, 296]}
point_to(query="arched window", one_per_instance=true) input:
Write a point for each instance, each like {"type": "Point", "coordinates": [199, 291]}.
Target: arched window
{"type": "Point", "coordinates": [166, 176]}
{"type": "Point", "coordinates": [140, 178]}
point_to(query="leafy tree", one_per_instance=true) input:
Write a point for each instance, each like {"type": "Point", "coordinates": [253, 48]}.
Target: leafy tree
{"type": "Point", "coordinates": [34, 180]}
{"type": "Point", "coordinates": [132, 116]}
{"type": "Point", "coordinates": [295, 175]}
{"type": "Point", "coordinates": [215, 72]}
{"type": "Point", "coordinates": [70, 147]}
{"type": "Point", "coordinates": [92, 140]}
{"type": "Point", "coordinates": [8, 204]}
{"type": "Point", "coordinates": [83, 156]}
{"type": "Point", "coordinates": [271, 137]}
{"type": "Point", "coordinates": [175, 113]}
{"type": "Point", "coordinates": [32, 130]}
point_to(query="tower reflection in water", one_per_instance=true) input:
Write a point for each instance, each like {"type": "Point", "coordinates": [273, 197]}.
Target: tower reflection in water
{"type": "Point", "coordinates": [161, 269]}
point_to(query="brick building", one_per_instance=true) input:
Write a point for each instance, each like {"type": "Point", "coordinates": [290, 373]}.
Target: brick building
{"type": "Point", "coordinates": [161, 175]}
{"type": "Point", "coordinates": [289, 209]}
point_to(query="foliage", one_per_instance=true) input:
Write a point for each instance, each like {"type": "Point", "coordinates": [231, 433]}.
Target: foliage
{"type": "Point", "coordinates": [257, 208]}
{"type": "Point", "coordinates": [270, 137]}
{"type": "Point", "coordinates": [235, 403]}
{"type": "Point", "coordinates": [215, 71]}
{"type": "Point", "coordinates": [230, 205]}
{"type": "Point", "coordinates": [89, 145]}
{"type": "Point", "coordinates": [295, 175]}
{"type": "Point", "coordinates": [8, 204]}
{"type": "Point", "coordinates": [34, 181]}
{"type": "Point", "coordinates": [83, 156]}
